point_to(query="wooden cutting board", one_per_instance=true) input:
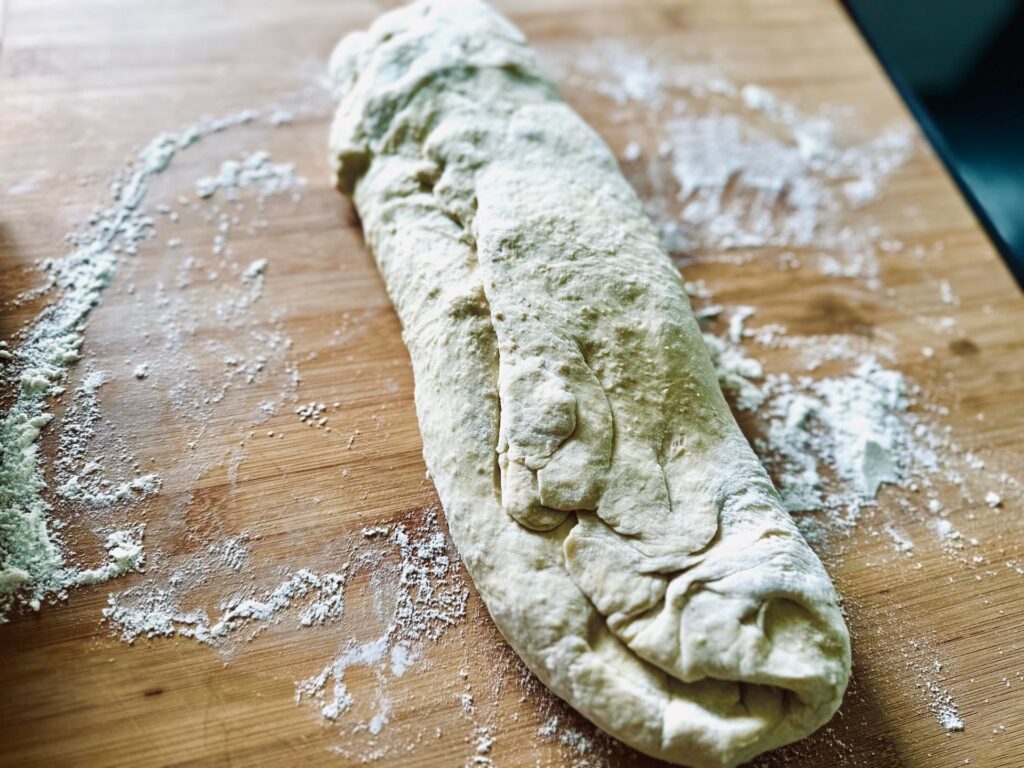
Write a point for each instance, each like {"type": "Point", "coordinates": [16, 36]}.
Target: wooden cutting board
{"type": "Point", "coordinates": [84, 85]}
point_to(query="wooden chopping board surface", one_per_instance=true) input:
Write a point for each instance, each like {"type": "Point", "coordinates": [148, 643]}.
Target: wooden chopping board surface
{"type": "Point", "coordinates": [85, 85]}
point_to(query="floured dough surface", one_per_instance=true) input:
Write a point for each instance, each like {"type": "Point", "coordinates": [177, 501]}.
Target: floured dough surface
{"type": "Point", "coordinates": [622, 533]}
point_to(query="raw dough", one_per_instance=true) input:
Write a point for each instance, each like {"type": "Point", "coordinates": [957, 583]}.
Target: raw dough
{"type": "Point", "coordinates": [622, 533]}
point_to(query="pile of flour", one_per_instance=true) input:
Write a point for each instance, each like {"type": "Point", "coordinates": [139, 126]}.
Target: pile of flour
{"type": "Point", "coordinates": [831, 442]}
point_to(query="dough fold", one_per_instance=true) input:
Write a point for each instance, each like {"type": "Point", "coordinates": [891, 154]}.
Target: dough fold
{"type": "Point", "coordinates": [622, 533]}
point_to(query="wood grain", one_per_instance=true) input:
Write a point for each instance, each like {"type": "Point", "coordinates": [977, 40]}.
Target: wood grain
{"type": "Point", "coordinates": [83, 85]}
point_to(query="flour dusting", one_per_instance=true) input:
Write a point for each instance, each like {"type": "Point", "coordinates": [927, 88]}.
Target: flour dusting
{"type": "Point", "coordinates": [125, 553]}
{"type": "Point", "coordinates": [422, 594]}
{"type": "Point", "coordinates": [729, 173]}
{"type": "Point", "coordinates": [33, 563]}
{"type": "Point", "coordinates": [253, 171]}
{"type": "Point", "coordinates": [153, 609]}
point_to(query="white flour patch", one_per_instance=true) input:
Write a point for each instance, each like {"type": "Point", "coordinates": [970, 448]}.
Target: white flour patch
{"type": "Point", "coordinates": [579, 748]}
{"type": "Point", "coordinates": [154, 608]}
{"type": "Point", "coordinates": [232, 552]}
{"type": "Point", "coordinates": [278, 117]}
{"type": "Point", "coordinates": [854, 424]}
{"type": "Point", "coordinates": [33, 564]}
{"type": "Point", "coordinates": [426, 595]}
{"type": "Point", "coordinates": [940, 702]}
{"type": "Point", "coordinates": [900, 541]}
{"type": "Point", "coordinates": [735, 168]}
{"type": "Point", "coordinates": [949, 715]}
{"type": "Point", "coordinates": [946, 532]}
{"type": "Point", "coordinates": [254, 171]}
{"type": "Point", "coordinates": [618, 72]}
{"type": "Point", "coordinates": [92, 477]}
{"type": "Point", "coordinates": [737, 372]}
{"type": "Point", "coordinates": [742, 187]}
{"type": "Point", "coordinates": [125, 553]}
{"type": "Point", "coordinates": [105, 493]}
{"type": "Point", "coordinates": [833, 442]}
{"type": "Point", "coordinates": [339, 700]}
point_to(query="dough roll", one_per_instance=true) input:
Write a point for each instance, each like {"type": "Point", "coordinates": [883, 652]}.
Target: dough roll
{"type": "Point", "coordinates": [622, 533]}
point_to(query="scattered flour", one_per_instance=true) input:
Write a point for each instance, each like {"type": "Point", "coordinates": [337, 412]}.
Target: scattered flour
{"type": "Point", "coordinates": [312, 414]}
{"type": "Point", "coordinates": [579, 745]}
{"type": "Point", "coordinates": [737, 372]}
{"type": "Point", "coordinates": [900, 541]}
{"type": "Point", "coordinates": [946, 531]}
{"type": "Point", "coordinates": [280, 117]}
{"type": "Point", "coordinates": [426, 594]}
{"type": "Point", "coordinates": [32, 564]}
{"type": "Point", "coordinates": [857, 426]}
{"type": "Point", "coordinates": [124, 548]}
{"type": "Point", "coordinates": [940, 701]}
{"type": "Point", "coordinates": [232, 552]}
{"type": "Point", "coordinates": [81, 477]}
{"type": "Point", "coordinates": [104, 493]}
{"type": "Point", "coordinates": [154, 609]}
{"type": "Point", "coordinates": [748, 171]}
{"type": "Point", "coordinates": [340, 700]}
{"type": "Point", "coordinates": [744, 187]}
{"type": "Point", "coordinates": [252, 171]}
{"type": "Point", "coordinates": [949, 715]}
{"type": "Point", "coordinates": [862, 435]}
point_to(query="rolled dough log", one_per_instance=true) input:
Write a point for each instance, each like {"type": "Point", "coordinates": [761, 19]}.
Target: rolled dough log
{"type": "Point", "coordinates": [622, 533]}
